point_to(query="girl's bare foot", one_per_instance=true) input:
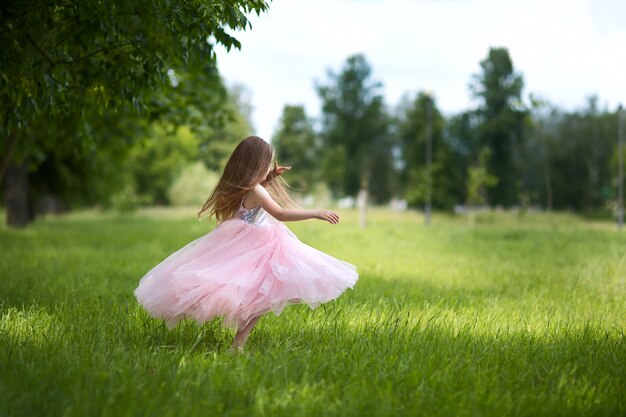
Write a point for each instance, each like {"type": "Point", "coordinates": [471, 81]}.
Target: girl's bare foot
{"type": "Point", "coordinates": [237, 345]}
{"type": "Point", "coordinates": [242, 335]}
{"type": "Point", "coordinates": [235, 349]}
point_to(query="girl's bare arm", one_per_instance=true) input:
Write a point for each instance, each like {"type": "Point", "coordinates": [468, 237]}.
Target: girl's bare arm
{"type": "Point", "coordinates": [289, 215]}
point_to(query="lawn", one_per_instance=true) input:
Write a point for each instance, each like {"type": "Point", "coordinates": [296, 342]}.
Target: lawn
{"type": "Point", "coordinates": [521, 315]}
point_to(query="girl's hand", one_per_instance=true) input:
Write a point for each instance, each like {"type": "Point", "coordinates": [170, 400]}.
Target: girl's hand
{"type": "Point", "coordinates": [276, 171]}
{"type": "Point", "coordinates": [330, 216]}
{"type": "Point", "coordinates": [279, 170]}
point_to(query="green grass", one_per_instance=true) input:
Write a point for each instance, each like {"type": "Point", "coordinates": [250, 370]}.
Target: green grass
{"type": "Point", "coordinates": [519, 316]}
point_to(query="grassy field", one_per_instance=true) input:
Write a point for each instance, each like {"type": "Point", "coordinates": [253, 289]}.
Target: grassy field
{"type": "Point", "coordinates": [520, 316]}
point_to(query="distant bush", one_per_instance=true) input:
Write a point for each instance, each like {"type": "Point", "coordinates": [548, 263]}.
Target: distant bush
{"type": "Point", "coordinates": [127, 200]}
{"type": "Point", "coordinates": [192, 186]}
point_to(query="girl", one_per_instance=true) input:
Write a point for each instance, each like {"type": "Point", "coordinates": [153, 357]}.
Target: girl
{"type": "Point", "coordinates": [250, 263]}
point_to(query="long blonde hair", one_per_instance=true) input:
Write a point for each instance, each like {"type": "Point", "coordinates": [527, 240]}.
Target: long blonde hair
{"type": "Point", "coordinates": [246, 167]}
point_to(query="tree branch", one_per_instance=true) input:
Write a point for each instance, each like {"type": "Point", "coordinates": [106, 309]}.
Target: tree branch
{"type": "Point", "coordinates": [4, 7]}
{"type": "Point", "coordinates": [73, 87]}
{"type": "Point", "coordinates": [59, 42]}
{"type": "Point", "coordinates": [105, 49]}
{"type": "Point", "coordinates": [41, 52]}
{"type": "Point", "coordinates": [52, 63]}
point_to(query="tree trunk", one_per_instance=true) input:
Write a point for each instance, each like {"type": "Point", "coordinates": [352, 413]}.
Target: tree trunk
{"type": "Point", "coordinates": [548, 189]}
{"type": "Point", "coordinates": [7, 153]}
{"type": "Point", "coordinates": [16, 183]}
{"type": "Point", "coordinates": [471, 216]}
{"type": "Point", "coordinates": [362, 204]}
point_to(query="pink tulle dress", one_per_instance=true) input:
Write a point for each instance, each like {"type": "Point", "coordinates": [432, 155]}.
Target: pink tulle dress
{"type": "Point", "coordinates": [246, 266]}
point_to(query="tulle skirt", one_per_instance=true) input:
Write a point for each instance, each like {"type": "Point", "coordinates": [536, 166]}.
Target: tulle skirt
{"type": "Point", "coordinates": [239, 271]}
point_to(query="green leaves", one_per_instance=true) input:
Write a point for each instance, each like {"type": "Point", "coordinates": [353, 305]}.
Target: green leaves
{"type": "Point", "coordinates": [118, 49]}
{"type": "Point", "coordinates": [501, 120]}
{"type": "Point", "coordinates": [63, 65]}
{"type": "Point", "coordinates": [355, 122]}
{"type": "Point", "coordinates": [479, 179]}
{"type": "Point", "coordinates": [297, 145]}
{"type": "Point", "coordinates": [225, 39]}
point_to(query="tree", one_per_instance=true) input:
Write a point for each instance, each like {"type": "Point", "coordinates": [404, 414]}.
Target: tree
{"type": "Point", "coordinates": [502, 120]}
{"type": "Point", "coordinates": [68, 172]}
{"type": "Point", "coordinates": [61, 59]}
{"type": "Point", "coordinates": [538, 149]}
{"type": "Point", "coordinates": [135, 159]}
{"type": "Point", "coordinates": [297, 145]}
{"type": "Point", "coordinates": [581, 146]}
{"type": "Point", "coordinates": [357, 148]}
{"type": "Point", "coordinates": [478, 179]}
{"type": "Point", "coordinates": [218, 139]}
{"type": "Point", "coordinates": [158, 158]}
{"type": "Point", "coordinates": [447, 168]}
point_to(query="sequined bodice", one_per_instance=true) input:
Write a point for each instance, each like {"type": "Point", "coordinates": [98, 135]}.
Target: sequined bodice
{"type": "Point", "coordinates": [254, 215]}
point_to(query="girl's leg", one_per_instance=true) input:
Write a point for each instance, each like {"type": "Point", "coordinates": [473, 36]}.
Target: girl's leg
{"type": "Point", "coordinates": [242, 335]}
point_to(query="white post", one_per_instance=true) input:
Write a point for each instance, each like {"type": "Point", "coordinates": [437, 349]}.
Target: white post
{"type": "Point", "coordinates": [362, 203]}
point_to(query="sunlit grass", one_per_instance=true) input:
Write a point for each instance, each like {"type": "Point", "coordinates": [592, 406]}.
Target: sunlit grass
{"type": "Point", "coordinates": [521, 315]}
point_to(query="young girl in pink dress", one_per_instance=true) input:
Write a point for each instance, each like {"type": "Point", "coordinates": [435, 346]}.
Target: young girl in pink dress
{"type": "Point", "coordinates": [250, 263]}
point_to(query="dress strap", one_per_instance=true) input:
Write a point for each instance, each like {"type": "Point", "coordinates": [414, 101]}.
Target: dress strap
{"type": "Point", "coordinates": [241, 203]}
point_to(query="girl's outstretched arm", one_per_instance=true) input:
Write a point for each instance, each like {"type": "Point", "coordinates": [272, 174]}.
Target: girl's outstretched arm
{"type": "Point", "coordinates": [290, 215]}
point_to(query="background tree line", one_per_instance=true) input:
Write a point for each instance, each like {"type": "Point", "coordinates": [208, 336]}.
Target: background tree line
{"type": "Point", "coordinates": [120, 104]}
{"type": "Point", "coordinates": [508, 151]}
{"type": "Point", "coordinates": [102, 98]}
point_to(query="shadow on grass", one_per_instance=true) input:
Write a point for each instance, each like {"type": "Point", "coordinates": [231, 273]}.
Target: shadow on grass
{"type": "Point", "coordinates": [383, 366]}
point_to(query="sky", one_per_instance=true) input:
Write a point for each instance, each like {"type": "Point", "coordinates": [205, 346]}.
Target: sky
{"type": "Point", "coordinates": [566, 50]}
